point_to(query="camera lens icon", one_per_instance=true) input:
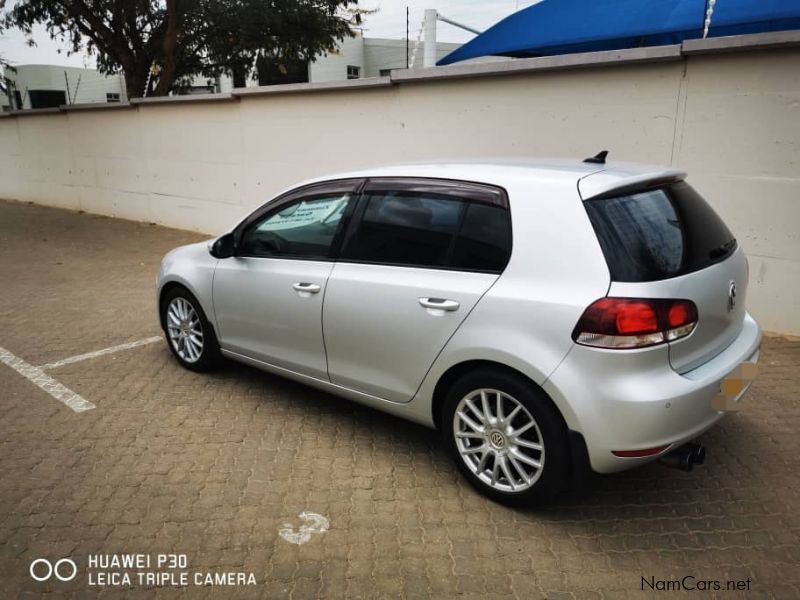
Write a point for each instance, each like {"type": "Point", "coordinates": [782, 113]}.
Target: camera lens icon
{"type": "Point", "coordinates": [64, 569]}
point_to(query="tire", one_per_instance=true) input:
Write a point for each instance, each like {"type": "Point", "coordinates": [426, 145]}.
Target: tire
{"type": "Point", "coordinates": [185, 324]}
{"type": "Point", "coordinates": [482, 443]}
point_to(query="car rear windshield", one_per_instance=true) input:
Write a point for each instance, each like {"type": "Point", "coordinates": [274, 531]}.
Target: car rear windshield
{"type": "Point", "coordinates": [659, 233]}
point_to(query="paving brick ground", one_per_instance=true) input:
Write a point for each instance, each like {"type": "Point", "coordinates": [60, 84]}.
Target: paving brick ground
{"type": "Point", "coordinates": [212, 466]}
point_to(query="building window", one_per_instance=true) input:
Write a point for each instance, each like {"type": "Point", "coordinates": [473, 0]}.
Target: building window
{"type": "Point", "coordinates": [385, 72]}
{"type": "Point", "coordinates": [111, 97]}
{"type": "Point", "coordinates": [353, 72]}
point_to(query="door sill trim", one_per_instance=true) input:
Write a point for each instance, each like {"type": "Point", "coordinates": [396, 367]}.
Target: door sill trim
{"type": "Point", "coordinates": [333, 388]}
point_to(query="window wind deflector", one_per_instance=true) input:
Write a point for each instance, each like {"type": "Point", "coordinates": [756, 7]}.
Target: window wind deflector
{"type": "Point", "coordinates": [461, 190]}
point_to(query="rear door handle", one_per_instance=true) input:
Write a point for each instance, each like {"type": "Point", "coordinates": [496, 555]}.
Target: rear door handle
{"type": "Point", "coordinates": [439, 304]}
{"type": "Point", "coordinates": [308, 288]}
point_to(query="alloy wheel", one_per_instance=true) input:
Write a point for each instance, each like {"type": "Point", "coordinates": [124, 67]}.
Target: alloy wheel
{"type": "Point", "coordinates": [185, 329]}
{"type": "Point", "coordinates": [499, 440]}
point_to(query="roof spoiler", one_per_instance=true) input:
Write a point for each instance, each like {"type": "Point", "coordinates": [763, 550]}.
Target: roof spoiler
{"type": "Point", "coordinates": [618, 182]}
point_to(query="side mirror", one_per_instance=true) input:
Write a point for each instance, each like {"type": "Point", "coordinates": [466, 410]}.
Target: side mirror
{"type": "Point", "coordinates": [224, 247]}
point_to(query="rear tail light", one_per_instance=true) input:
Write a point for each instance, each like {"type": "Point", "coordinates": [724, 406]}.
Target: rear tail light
{"type": "Point", "coordinates": [634, 322]}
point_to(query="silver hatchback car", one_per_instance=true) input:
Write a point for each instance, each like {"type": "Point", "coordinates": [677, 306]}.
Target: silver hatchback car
{"type": "Point", "coordinates": [548, 318]}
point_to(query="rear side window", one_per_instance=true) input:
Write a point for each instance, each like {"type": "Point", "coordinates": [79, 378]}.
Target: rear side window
{"type": "Point", "coordinates": [405, 229]}
{"type": "Point", "coordinates": [484, 241]}
{"type": "Point", "coordinates": [659, 233]}
{"type": "Point", "coordinates": [424, 229]}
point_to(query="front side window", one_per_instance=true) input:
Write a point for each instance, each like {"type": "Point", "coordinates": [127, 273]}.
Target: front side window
{"type": "Point", "coordinates": [304, 228]}
{"type": "Point", "coordinates": [405, 228]}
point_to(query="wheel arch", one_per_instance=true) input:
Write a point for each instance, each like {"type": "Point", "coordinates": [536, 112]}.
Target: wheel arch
{"type": "Point", "coordinates": [173, 284]}
{"type": "Point", "coordinates": [455, 372]}
{"type": "Point", "coordinates": [579, 459]}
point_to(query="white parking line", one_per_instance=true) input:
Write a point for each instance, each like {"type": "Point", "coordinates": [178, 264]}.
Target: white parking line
{"type": "Point", "coordinates": [104, 351]}
{"type": "Point", "coordinates": [44, 381]}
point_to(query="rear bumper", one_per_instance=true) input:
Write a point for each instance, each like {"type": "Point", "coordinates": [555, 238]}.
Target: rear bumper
{"type": "Point", "coordinates": [627, 400]}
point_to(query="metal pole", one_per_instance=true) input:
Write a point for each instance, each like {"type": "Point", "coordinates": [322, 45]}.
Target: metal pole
{"type": "Point", "coordinates": [77, 85]}
{"type": "Point", "coordinates": [457, 24]}
{"type": "Point", "coordinates": [429, 57]}
{"type": "Point", "coordinates": [66, 80]}
{"type": "Point", "coordinates": [406, 37]}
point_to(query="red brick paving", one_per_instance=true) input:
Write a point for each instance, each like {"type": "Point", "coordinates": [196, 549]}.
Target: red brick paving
{"type": "Point", "coordinates": [214, 465]}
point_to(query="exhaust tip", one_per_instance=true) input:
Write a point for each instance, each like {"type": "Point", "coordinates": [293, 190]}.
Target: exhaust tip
{"type": "Point", "coordinates": [699, 453]}
{"type": "Point", "coordinates": [685, 457]}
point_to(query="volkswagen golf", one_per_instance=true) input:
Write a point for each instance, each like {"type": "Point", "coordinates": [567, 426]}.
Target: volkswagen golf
{"type": "Point", "coordinates": [547, 317]}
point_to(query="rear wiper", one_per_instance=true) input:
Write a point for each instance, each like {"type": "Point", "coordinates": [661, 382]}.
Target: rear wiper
{"type": "Point", "coordinates": [722, 249]}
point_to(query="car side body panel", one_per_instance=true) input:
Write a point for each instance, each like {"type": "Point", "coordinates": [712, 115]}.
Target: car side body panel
{"type": "Point", "coordinates": [192, 267]}
{"type": "Point", "coordinates": [379, 338]}
{"type": "Point", "coordinates": [261, 315]}
{"type": "Point", "coordinates": [524, 321]}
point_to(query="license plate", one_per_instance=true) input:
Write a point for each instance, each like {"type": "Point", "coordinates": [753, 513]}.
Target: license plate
{"type": "Point", "coordinates": [733, 387]}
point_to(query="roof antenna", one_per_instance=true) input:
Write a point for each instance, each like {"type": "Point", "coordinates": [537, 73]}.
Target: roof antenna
{"type": "Point", "coordinates": [597, 159]}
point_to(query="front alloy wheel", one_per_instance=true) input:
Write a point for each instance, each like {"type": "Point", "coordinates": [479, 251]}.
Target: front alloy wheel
{"type": "Point", "coordinates": [498, 440]}
{"type": "Point", "coordinates": [189, 334]}
{"type": "Point", "coordinates": [185, 330]}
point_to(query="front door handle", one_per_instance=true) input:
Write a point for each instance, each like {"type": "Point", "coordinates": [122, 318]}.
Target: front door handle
{"type": "Point", "coordinates": [439, 304]}
{"type": "Point", "coordinates": [308, 288]}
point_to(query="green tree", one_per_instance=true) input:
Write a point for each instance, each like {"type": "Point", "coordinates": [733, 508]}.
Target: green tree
{"type": "Point", "coordinates": [4, 81]}
{"type": "Point", "coordinates": [241, 32]}
{"type": "Point", "coordinates": [156, 43]}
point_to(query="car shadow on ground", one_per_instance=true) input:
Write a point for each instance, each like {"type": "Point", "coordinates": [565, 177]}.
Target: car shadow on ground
{"type": "Point", "coordinates": [651, 485]}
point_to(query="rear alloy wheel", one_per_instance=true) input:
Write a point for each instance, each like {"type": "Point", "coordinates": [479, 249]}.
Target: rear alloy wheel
{"type": "Point", "coordinates": [506, 436]}
{"type": "Point", "coordinates": [189, 334]}
{"type": "Point", "coordinates": [499, 440]}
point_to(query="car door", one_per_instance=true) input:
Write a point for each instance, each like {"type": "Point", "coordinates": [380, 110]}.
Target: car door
{"type": "Point", "coordinates": [268, 297]}
{"type": "Point", "coordinates": [408, 274]}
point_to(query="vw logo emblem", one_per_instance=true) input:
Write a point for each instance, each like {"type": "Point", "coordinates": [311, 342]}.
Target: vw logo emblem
{"type": "Point", "coordinates": [731, 296]}
{"type": "Point", "coordinates": [497, 439]}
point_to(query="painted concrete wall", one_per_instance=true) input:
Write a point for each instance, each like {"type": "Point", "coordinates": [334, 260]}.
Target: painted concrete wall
{"type": "Point", "coordinates": [731, 120]}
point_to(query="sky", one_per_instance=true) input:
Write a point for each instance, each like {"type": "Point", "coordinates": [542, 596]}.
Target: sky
{"type": "Point", "coordinates": [389, 22]}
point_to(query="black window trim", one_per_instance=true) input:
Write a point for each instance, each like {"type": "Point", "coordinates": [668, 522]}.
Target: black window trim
{"type": "Point", "coordinates": [465, 191]}
{"type": "Point", "coordinates": [352, 186]}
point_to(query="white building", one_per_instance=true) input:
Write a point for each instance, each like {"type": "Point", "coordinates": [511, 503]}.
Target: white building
{"type": "Point", "coordinates": [360, 57]}
{"type": "Point", "coordinates": [46, 86]}
{"type": "Point", "coordinates": [354, 58]}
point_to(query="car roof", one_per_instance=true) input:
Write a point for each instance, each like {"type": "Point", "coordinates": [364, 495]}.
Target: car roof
{"type": "Point", "coordinates": [595, 178]}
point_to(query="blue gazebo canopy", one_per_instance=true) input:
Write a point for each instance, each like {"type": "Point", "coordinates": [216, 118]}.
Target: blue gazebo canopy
{"type": "Point", "coordinates": [566, 26]}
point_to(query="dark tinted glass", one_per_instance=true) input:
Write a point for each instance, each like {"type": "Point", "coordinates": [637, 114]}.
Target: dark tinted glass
{"type": "Point", "coordinates": [402, 228]}
{"type": "Point", "coordinates": [660, 233]}
{"type": "Point", "coordinates": [484, 242]}
{"type": "Point", "coordinates": [303, 229]}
